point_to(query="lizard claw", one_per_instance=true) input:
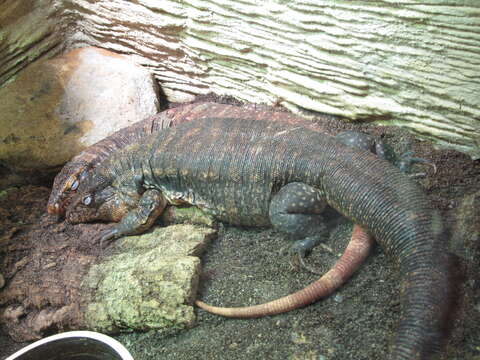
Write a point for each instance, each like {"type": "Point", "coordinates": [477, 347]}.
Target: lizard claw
{"type": "Point", "coordinates": [301, 260]}
{"type": "Point", "coordinates": [407, 161]}
{"type": "Point", "coordinates": [301, 248]}
{"type": "Point", "coordinates": [108, 236]}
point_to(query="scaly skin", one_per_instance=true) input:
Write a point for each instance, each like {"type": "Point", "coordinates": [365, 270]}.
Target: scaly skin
{"type": "Point", "coordinates": [355, 254]}
{"type": "Point", "coordinates": [113, 208]}
{"type": "Point", "coordinates": [234, 169]}
{"type": "Point", "coordinates": [73, 172]}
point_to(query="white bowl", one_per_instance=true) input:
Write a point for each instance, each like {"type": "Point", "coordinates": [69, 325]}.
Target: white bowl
{"type": "Point", "coordinates": [74, 345]}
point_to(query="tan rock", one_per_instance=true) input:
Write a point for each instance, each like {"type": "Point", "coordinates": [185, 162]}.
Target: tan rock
{"type": "Point", "coordinates": [58, 107]}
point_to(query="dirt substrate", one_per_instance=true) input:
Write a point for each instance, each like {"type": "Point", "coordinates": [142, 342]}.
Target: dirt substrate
{"type": "Point", "coordinates": [245, 266]}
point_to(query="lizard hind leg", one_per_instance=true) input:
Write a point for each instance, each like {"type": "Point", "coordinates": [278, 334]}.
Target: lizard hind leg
{"type": "Point", "coordinates": [296, 210]}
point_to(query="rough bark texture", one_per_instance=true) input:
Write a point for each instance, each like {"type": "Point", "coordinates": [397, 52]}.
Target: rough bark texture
{"type": "Point", "coordinates": [404, 63]}
{"type": "Point", "coordinates": [414, 65]}
{"type": "Point", "coordinates": [28, 30]}
{"type": "Point", "coordinates": [59, 279]}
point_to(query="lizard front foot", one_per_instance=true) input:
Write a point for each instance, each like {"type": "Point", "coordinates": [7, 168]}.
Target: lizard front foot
{"type": "Point", "coordinates": [107, 236]}
{"type": "Point", "coordinates": [406, 162]}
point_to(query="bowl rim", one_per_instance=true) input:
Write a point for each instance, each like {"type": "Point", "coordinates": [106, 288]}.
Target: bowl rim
{"type": "Point", "coordinates": [114, 344]}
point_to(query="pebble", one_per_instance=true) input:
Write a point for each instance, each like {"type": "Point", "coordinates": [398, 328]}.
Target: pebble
{"type": "Point", "coordinates": [338, 298]}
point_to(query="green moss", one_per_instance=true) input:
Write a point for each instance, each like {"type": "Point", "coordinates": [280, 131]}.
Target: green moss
{"type": "Point", "coordinates": [150, 285]}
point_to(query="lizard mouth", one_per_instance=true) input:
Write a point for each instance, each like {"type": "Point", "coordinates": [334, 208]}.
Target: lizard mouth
{"type": "Point", "coordinates": [74, 210]}
{"type": "Point", "coordinates": [60, 206]}
{"type": "Point", "coordinates": [54, 209]}
{"type": "Point", "coordinates": [58, 203]}
{"type": "Point", "coordinates": [65, 185]}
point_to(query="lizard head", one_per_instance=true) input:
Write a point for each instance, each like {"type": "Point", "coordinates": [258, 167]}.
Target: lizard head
{"type": "Point", "coordinates": [105, 205]}
{"type": "Point", "coordinates": [95, 199]}
{"type": "Point", "coordinates": [65, 185]}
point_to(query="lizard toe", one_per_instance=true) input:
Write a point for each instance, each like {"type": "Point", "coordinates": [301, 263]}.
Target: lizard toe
{"type": "Point", "coordinates": [301, 248]}
{"type": "Point", "coordinates": [107, 236]}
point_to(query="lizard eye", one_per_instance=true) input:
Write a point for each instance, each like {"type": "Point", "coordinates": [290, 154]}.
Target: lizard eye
{"type": "Point", "coordinates": [87, 200]}
{"type": "Point", "coordinates": [74, 185]}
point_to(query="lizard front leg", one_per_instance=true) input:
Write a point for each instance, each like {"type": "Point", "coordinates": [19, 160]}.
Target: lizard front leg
{"type": "Point", "coordinates": [404, 162]}
{"type": "Point", "coordinates": [150, 206]}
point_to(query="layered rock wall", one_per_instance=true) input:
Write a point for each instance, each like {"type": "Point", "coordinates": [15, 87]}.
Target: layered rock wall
{"type": "Point", "coordinates": [406, 63]}
{"type": "Point", "coordinates": [28, 31]}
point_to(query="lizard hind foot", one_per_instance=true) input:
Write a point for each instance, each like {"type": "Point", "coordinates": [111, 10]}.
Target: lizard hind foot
{"type": "Point", "coordinates": [299, 259]}
{"type": "Point", "coordinates": [301, 248]}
